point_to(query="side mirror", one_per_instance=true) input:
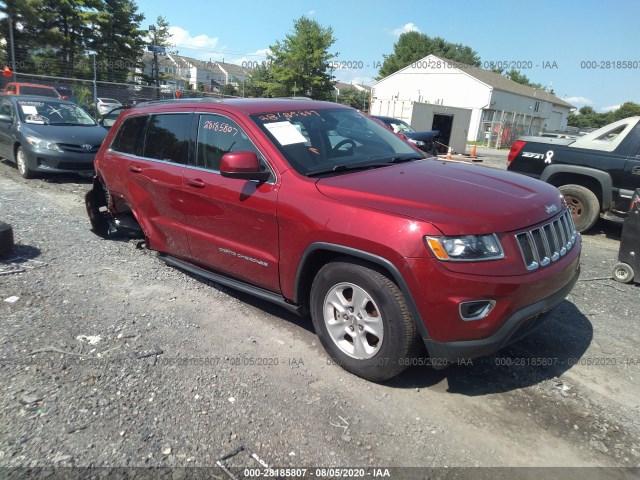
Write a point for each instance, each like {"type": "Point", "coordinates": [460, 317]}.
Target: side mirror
{"type": "Point", "coordinates": [6, 118]}
{"type": "Point", "coordinates": [243, 165]}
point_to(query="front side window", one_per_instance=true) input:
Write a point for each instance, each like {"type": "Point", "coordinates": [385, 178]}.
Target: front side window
{"type": "Point", "coordinates": [129, 138]}
{"type": "Point", "coordinates": [332, 140]}
{"type": "Point", "coordinates": [218, 135]}
{"type": "Point", "coordinates": [167, 137]}
{"type": "Point", "coordinates": [6, 108]}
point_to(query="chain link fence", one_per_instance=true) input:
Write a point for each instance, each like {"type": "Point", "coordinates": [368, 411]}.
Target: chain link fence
{"type": "Point", "coordinates": [84, 76]}
{"type": "Point", "coordinates": [502, 128]}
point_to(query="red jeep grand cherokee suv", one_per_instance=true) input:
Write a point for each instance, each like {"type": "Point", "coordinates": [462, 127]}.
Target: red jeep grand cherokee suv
{"type": "Point", "coordinates": [320, 209]}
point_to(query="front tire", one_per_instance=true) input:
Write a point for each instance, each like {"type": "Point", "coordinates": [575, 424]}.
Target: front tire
{"type": "Point", "coordinates": [363, 321]}
{"type": "Point", "coordinates": [23, 164]}
{"type": "Point", "coordinates": [584, 206]}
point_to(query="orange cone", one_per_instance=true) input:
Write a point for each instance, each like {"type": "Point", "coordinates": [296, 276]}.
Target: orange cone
{"type": "Point", "coordinates": [449, 154]}
{"type": "Point", "coordinates": [473, 152]}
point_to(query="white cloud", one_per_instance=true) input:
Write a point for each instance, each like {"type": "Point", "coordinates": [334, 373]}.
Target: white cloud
{"type": "Point", "coordinates": [407, 27]}
{"type": "Point", "coordinates": [182, 39]}
{"type": "Point", "coordinates": [253, 60]}
{"type": "Point", "coordinates": [610, 108]}
{"type": "Point", "coordinates": [311, 13]}
{"type": "Point", "coordinates": [578, 101]}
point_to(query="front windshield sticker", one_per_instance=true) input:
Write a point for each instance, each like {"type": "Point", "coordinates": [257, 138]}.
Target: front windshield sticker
{"type": "Point", "coordinates": [35, 119]}
{"type": "Point", "coordinates": [285, 133]}
{"type": "Point", "coordinates": [29, 109]}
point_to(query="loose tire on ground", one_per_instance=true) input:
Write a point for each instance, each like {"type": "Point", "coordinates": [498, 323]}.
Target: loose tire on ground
{"type": "Point", "coordinates": [6, 239]}
{"type": "Point", "coordinates": [363, 321]}
{"type": "Point", "coordinates": [623, 273]}
{"type": "Point", "coordinates": [583, 204]}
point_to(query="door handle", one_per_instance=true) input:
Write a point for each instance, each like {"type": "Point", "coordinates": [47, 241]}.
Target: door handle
{"type": "Point", "coordinates": [195, 183]}
{"type": "Point", "coordinates": [135, 169]}
{"type": "Point", "coordinates": [635, 171]}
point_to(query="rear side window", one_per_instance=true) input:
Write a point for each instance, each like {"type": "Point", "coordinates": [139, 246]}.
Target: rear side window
{"type": "Point", "coordinates": [167, 137]}
{"type": "Point", "coordinates": [129, 137]}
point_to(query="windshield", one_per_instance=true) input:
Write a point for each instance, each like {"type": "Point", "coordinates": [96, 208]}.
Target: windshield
{"type": "Point", "coordinates": [399, 126]}
{"type": "Point", "coordinates": [52, 112]}
{"type": "Point", "coordinates": [325, 141]}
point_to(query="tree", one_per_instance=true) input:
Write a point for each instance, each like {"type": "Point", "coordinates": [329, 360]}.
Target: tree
{"type": "Point", "coordinates": [627, 109]}
{"type": "Point", "coordinates": [51, 37]}
{"type": "Point", "coordinates": [119, 41]}
{"type": "Point", "coordinates": [228, 89]}
{"type": "Point", "coordinates": [300, 64]}
{"type": "Point", "coordinates": [413, 46]}
{"type": "Point", "coordinates": [162, 37]}
{"type": "Point", "coordinates": [354, 98]}
{"type": "Point", "coordinates": [259, 82]}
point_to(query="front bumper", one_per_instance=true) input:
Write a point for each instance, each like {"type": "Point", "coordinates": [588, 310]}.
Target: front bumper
{"type": "Point", "coordinates": [518, 325]}
{"type": "Point", "coordinates": [50, 161]}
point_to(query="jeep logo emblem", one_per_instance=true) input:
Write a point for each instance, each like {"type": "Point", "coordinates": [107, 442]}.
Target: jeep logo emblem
{"type": "Point", "coordinates": [551, 208]}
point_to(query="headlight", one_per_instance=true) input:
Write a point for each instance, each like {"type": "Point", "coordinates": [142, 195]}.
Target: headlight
{"type": "Point", "coordinates": [467, 248]}
{"type": "Point", "coordinates": [43, 144]}
{"type": "Point", "coordinates": [417, 143]}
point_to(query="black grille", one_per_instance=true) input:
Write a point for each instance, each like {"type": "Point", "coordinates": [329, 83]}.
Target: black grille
{"type": "Point", "coordinates": [546, 244]}
{"type": "Point", "coordinates": [84, 166]}
{"type": "Point", "coordinates": [69, 147]}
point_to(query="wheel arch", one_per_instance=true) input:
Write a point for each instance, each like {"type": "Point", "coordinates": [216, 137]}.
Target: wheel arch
{"type": "Point", "coordinates": [319, 254]}
{"type": "Point", "coordinates": [597, 181]}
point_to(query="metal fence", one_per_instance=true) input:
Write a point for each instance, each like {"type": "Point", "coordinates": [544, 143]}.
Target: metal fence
{"type": "Point", "coordinates": [502, 128]}
{"type": "Point", "coordinates": [85, 92]}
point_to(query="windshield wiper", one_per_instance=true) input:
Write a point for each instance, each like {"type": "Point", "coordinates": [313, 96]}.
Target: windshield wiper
{"type": "Point", "coordinates": [348, 167]}
{"type": "Point", "coordinates": [407, 157]}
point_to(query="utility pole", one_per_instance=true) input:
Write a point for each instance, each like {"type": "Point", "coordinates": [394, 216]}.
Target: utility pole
{"type": "Point", "coordinates": [93, 53]}
{"type": "Point", "coordinates": [13, 52]}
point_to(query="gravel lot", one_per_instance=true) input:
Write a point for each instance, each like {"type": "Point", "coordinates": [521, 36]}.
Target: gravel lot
{"type": "Point", "coordinates": [110, 358]}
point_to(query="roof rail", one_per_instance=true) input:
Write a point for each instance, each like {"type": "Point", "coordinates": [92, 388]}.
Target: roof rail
{"type": "Point", "coordinates": [179, 100]}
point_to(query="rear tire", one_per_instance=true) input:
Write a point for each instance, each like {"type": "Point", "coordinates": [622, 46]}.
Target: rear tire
{"type": "Point", "coordinates": [6, 239]}
{"type": "Point", "coordinates": [584, 206]}
{"type": "Point", "coordinates": [363, 321]}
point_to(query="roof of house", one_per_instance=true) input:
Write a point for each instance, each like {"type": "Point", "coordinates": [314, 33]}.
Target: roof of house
{"type": "Point", "coordinates": [500, 82]}
{"type": "Point", "coordinates": [341, 85]}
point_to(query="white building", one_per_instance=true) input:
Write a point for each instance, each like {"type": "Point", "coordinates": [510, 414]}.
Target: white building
{"type": "Point", "coordinates": [175, 71]}
{"type": "Point", "coordinates": [499, 106]}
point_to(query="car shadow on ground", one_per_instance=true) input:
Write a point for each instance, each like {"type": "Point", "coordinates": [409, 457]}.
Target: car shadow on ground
{"type": "Point", "coordinates": [79, 178]}
{"type": "Point", "coordinates": [545, 354]}
{"type": "Point", "coordinates": [608, 228]}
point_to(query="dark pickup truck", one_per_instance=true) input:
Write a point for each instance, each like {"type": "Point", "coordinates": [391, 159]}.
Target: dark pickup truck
{"type": "Point", "coordinates": [596, 173]}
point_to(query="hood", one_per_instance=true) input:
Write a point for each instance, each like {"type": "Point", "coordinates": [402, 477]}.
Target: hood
{"type": "Point", "coordinates": [457, 198]}
{"type": "Point", "coordinates": [72, 134]}
{"type": "Point", "coordinates": [424, 136]}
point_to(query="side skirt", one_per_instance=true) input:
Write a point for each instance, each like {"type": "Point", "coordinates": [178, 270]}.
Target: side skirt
{"type": "Point", "coordinates": [231, 283]}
